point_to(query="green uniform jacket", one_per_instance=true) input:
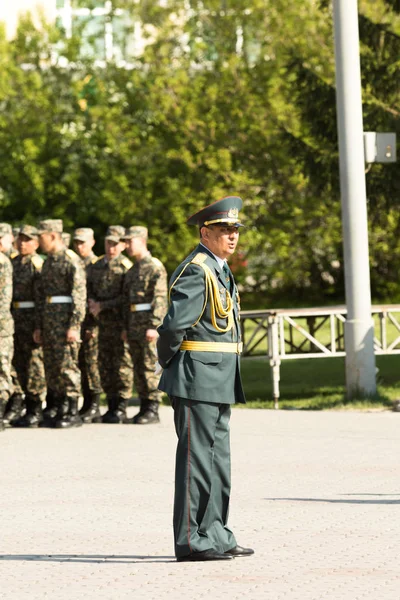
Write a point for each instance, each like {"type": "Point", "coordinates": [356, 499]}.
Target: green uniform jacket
{"type": "Point", "coordinates": [196, 375]}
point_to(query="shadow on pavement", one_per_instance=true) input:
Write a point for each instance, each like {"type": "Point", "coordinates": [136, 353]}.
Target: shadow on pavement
{"type": "Point", "coordinates": [88, 558]}
{"type": "Point", "coordinates": [340, 501]}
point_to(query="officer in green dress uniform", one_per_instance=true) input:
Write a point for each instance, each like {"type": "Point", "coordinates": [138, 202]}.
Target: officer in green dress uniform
{"type": "Point", "coordinates": [199, 348]}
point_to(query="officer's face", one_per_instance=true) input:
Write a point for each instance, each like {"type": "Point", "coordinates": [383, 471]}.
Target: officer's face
{"type": "Point", "coordinates": [26, 245]}
{"type": "Point", "coordinates": [220, 239]}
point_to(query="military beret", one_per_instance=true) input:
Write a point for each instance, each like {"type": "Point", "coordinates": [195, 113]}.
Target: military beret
{"type": "Point", "coordinates": [224, 211]}
{"type": "Point", "coordinates": [29, 231]}
{"type": "Point", "coordinates": [50, 226]}
{"type": "Point", "coordinates": [135, 231]}
{"type": "Point", "coordinates": [115, 233]}
{"type": "Point", "coordinates": [5, 228]}
{"type": "Point", "coordinates": [83, 234]}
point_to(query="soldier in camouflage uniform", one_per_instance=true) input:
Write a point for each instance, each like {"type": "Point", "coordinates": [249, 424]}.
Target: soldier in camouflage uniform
{"type": "Point", "coordinates": [144, 306]}
{"type": "Point", "coordinates": [106, 279]}
{"type": "Point", "coordinates": [59, 316]}
{"type": "Point", "coordinates": [14, 250]}
{"type": "Point", "coordinates": [6, 321]}
{"type": "Point", "coordinates": [89, 350]}
{"type": "Point", "coordinates": [66, 238]}
{"type": "Point", "coordinates": [28, 356]}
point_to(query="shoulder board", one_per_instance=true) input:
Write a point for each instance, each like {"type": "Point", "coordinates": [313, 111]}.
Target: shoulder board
{"type": "Point", "coordinates": [37, 261]}
{"type": "Point", "coordinates": [156, 261]}
{"type": "Point", "coordinates": [199, 258]}
{"type": "Point", "coordinates": [95, 259]}
{"type": "Point", "coordinates": [14, 254]}
{"type": "Point", "coordinates": [126, 262]}
{"type": "Point", "coordinates": [71, 253]}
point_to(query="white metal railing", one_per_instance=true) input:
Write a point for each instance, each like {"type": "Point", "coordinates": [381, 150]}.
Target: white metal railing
{"type": "Point", "coordinates": [284, 334]}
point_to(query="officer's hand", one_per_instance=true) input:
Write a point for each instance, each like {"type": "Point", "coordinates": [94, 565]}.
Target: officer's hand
{"type": "Point", "coordinates": [124, 335]}
{"type": "Point", "coordinates": [151, 335]}
{"type": "Point", "coordinates": [37, 336]}
{"type": "Point", "coordinates": [73, 335]}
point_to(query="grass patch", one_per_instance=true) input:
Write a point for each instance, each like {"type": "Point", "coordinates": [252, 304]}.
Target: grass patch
{"type": "Point", "coordinates": [317, 384]}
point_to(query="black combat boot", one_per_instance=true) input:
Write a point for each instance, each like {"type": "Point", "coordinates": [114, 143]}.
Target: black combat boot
{"type": "Point", "coordinates": [143, 404]}
{"type": "Point", "coordinates": [111, 403]}
{"type": "Point", "coordinates": [2, 404]}
{"type": "Point", "coordinates": [51, 410]}
{"type": "Point", "coordinates": [86, 403]}
{"type": "Point", "coordinates": [68, 415]}
{"type": "Point", "coordinates": [33, 416]}
{"type": "Point", "coordinates": [14, 408]}
{"type": "Point", "coordinates": [149, 414]}
{"type": "Point", "coordinates": [119, 413]}
{"type": "Point", "coordinates": [92, 412]}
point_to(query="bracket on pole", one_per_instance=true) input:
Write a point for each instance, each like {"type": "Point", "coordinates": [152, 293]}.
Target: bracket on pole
{"type": "Point", "coordinates": [379, 147]}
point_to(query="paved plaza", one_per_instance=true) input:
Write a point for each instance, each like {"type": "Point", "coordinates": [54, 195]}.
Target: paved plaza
{"type": "Point", "coordinates": [86, 513]}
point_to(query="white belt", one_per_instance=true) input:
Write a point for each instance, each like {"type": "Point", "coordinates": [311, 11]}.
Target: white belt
{"type": "Point", "coordinates": [139, 307]}
{"type": "Point", "coordinates": [24, 304]}
{"type": "Point", "coordinates": [59, 299]}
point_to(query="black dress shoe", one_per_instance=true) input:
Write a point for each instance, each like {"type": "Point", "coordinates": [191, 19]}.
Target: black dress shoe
{"type": "Point", "coordinates": [204, 555]}
{"type": "Point", "coordinates": [239, 551]}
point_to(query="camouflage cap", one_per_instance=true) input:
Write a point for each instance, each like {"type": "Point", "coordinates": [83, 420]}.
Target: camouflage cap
{"type": "Point", "coordinates": [83, 234]}
{"type": "Point", "coordinates": [115, 233]}
{"type": "Point", "coordinates": [5, 228]}
{"type": "Point", "coordinates": [50, 226]}
{"type": "Point", "coordinates": [135, 231]}
{"type": "Point", "coordinates": [16, 231]}
{"type": "Point", "coordinates": [30, 232]}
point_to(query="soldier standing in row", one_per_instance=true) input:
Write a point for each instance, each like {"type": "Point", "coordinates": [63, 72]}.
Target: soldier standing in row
{"type": "Point", "coordinates": [6, 321]}
{"type": "Point", "coordinates": [28, 356]}
{"type": "Point", "coordinates": [59, 317]}
{"type": "Point", "coordinates": [89, 350]}
{"type": "Point", "coordinates": [106, 279]}
{"type": "Point", "coordinates": [144, 307]}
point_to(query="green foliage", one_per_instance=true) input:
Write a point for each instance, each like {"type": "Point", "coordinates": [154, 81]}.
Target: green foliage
{"type": "Point", "coordinates": [238, 98]}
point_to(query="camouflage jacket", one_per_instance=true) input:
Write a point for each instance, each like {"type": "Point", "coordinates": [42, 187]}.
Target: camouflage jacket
{"type": "Point", "coordinates": [146, 283]}
{"type": "Point", "coordinates": [62, 275]}
{"type": "Point", "coordinates": [89, 322]}
{"type": "Point", "coordinates": [26, 287]}
{"type": "Point", "coordinates": [6, 286]}
{"type": "Point", "coordinates": [105, 284]}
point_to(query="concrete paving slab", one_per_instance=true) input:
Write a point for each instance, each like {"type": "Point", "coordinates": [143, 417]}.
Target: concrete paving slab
{"type": "Point", "coordinates": [87, 513]}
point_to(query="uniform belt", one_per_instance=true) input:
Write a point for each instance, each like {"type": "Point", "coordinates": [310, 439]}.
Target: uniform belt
{"type": "Point", "coordinates": [23, 304]}
{"type": "Point", "coordinates": [58, 299]}
{"type": "Point", "coordinates": [233, 347]}
{"type": "Point", "coordinates": [139, 307]}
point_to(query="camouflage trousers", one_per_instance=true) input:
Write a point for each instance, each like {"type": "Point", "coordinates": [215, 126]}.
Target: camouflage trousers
{"type": "Point", "coordinates": [28, 364]}
{"type": "Point", "coordinates": [115, 363]}
{"type": "Point", "coordinates": [144, 357]}
{"type": "Point", "coordinates": [63, 376]}
{"type": "Point", "coordinates": [6, 354]}
{"type": "Point", "coordinates": [88, 362]}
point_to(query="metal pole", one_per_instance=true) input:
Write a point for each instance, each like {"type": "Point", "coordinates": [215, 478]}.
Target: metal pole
{"type": "Point", "coordinates": [359, 332]}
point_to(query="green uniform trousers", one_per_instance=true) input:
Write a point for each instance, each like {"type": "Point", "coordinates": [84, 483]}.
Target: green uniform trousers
{"type": "Point", "coordinates": [202, 477]}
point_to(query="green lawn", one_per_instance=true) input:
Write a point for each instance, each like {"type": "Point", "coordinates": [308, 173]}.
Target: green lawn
{"type": "Point", "coordinates": [316, 384]}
